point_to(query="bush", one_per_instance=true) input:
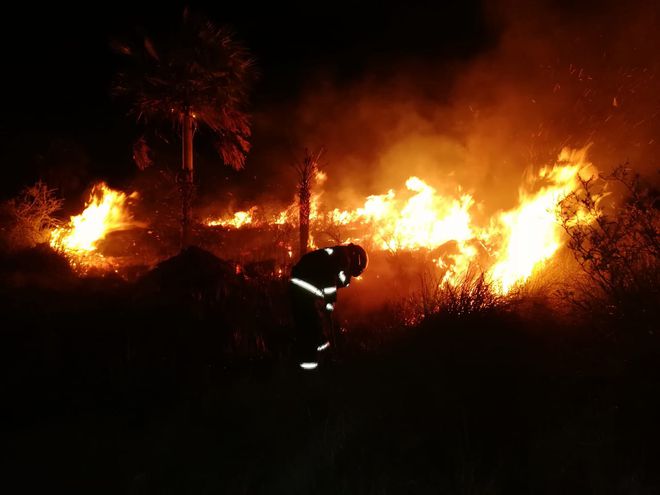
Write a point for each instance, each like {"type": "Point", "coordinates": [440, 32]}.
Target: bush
{"type": "Point", "coordinates": [473, 295]}
{"type": "Point", "coordinates": [29, 217]}
{"type": "Point", "coordinates": [613, 227]}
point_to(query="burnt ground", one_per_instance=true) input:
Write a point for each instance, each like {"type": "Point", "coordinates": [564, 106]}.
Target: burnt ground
{"type": "Point", "coordinates": [159, 387]}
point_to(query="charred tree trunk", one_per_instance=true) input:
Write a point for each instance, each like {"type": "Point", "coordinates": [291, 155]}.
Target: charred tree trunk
{"type": "Point", "coordinates": [187, 186]}
{"type": "Point", "coordinates": [304, 204]}
{"type": "Point", "coordinates": [307, 169]}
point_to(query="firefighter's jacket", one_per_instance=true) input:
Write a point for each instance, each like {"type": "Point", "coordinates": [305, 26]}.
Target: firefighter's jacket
{"type": "Point", "coordinates": [323, 272]}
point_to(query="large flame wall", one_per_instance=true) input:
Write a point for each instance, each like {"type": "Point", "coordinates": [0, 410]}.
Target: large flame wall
{"type": "Point", "coordinates": [510, 247]}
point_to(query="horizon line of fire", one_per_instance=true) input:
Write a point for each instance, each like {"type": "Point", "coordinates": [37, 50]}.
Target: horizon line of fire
{"type": "Point", "coordinates": [516, 242]}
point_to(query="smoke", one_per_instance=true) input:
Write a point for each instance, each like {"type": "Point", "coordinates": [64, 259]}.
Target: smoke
{"type": "Point", "coordinates": [565, 76]}
{"type": "Point", "coordinates": [556, 75]}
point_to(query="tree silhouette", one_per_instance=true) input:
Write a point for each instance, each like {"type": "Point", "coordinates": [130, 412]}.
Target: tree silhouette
{"type": "Point", "coordinates": [306, 169]}
{"type": "Point", "coordinates": [198, 78]}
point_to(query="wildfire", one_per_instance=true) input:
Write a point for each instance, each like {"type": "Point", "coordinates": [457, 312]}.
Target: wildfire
{"type": "Point", "coordinates": [240, 219]}
{"type": "Point", "coordinates": [105, 211]}
{"type": "Point", "coordinates": [509, 249]}
{"type": "Point", "coordinates": [531, 234]}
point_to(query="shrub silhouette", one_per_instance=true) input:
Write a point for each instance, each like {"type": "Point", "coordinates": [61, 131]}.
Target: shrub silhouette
{"type": "Point", "coordinates": [619, 250]}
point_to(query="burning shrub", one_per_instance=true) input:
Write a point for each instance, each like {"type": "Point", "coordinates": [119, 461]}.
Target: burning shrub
{"type": "Point", "coordinates": [619, 253]}
{"type": "Point", "coordinates": [472, 295]}
{"type": "Point", "coordinates": [29, 216]}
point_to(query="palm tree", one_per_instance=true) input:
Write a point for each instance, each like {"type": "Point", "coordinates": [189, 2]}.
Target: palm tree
{"type": "Point", "coordinates": [306, 169]}
{"type": "Point", "coordinates": [200, 77]}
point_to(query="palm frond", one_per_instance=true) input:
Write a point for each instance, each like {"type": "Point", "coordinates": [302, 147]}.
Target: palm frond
{"type": "Point", "coordinates": [203, 70]}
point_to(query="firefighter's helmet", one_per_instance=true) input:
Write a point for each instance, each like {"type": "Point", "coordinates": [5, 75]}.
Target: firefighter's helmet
{"type": "Point", "coordinates": [359, 259]}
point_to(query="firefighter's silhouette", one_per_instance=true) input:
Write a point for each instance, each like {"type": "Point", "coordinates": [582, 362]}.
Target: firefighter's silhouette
{"type": "Point", "coordinates": [315, 280]}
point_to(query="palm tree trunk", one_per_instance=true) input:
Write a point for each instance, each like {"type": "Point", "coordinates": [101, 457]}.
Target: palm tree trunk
{"type": "Point", "coordinates": [304, 209]}
{"type": "Point", "coordinates": [306, 169]}
{"type": "Point", "coordinates": [187, 185]}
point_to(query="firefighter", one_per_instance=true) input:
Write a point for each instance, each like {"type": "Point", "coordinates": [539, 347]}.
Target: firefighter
{"type": "Point", "coordinates": [313, 287]}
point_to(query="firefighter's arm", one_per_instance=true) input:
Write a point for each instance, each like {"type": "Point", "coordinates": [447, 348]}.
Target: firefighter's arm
{"type": "Point", "coordinates": [343, 279]}
{"type": "Point", "coordinates": [330, 297]}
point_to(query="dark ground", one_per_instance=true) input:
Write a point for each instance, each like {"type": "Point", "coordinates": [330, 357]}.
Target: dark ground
{"type": "Point", "coordinates": [111, 387]}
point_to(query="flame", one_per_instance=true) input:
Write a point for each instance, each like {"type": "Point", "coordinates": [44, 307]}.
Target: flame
{"type": "Point", "coordinates": [105, 211]}
{"type": "Point", "coordinates": [249, 218]}
{"type": "Point", "coordinates": [238, 220]}
{"type": "Point", "coordinates": [320, 177]}
{"type": "Point", "coordinates": [513, 246]}
{"type": "Point", "coordinates": [531, 232]}
{"type": "Point", "coordinates": [423, 220]}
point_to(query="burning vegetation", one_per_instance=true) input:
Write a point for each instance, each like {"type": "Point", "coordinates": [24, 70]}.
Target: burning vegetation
{"type": "Point", "coordinates": [462, 248]}
{"type": "Point", "coordinates": [449, 237]}
{"type": "Point", "coordinates": [513, 283]}
{"type": "Point", "coordinates": [106, 211]}
{"type": "Point", "coordinates": [509, 248]}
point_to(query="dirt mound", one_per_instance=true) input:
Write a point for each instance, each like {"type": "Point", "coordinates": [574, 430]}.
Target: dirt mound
{"type": "Point", "coordinates": [194, 276]}
{"type": "Point", "coordinates": [40, 266]}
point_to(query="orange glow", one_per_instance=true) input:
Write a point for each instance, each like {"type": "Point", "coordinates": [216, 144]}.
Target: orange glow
{"type": "Point", "coordinates": [238, 220]}
{"type": "Point", "coordinates": [320, 177]}
{"type": "Point", "coordinates": [531, 234]}
{"type": "Point", "coordinates": [510, 248]}
{"type": "Point", "coordinates": [105, 212]}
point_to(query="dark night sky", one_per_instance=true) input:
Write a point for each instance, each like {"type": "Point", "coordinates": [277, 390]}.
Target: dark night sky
{"type": "Point", "coordinates": [58, 66]}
